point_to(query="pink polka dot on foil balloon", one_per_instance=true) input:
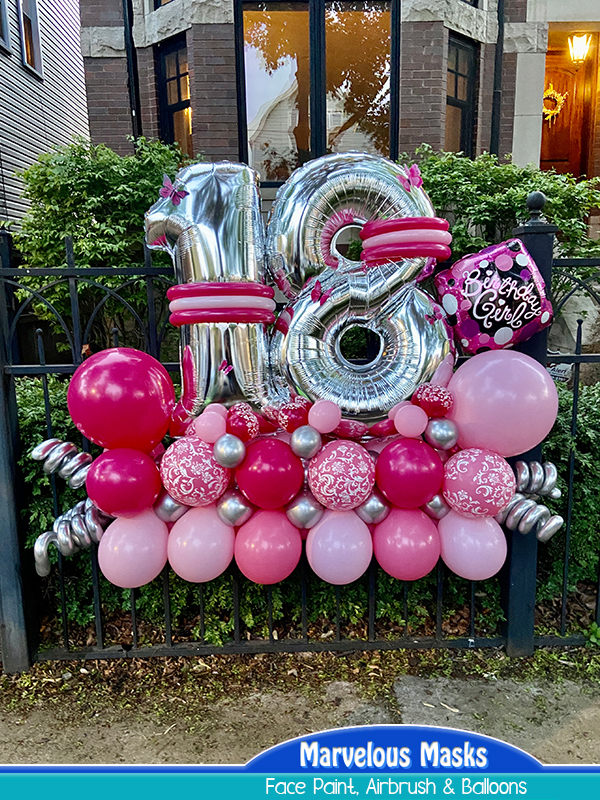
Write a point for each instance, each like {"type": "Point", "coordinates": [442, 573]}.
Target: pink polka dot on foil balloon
{"type": "Point", "coordinates": [484, 338]}
{"type": "Point", "coordinates": [504, 262]}
{"type": "Point", "coordinates": [466, 305]}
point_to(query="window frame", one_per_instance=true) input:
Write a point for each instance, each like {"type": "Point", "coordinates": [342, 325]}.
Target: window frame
{"type": "Point", "coordinates": [159, 4]}
{"type": "Point", "coordinates": [36, 70]}
{"type": "Point", "coordinates": [318, 97]}
{"type": "Point", "coordinates": [165, 109]}
{"type": "Point", "coordinates": [467, 133]}
{"type": "Point", "coordinates": [4, 26]}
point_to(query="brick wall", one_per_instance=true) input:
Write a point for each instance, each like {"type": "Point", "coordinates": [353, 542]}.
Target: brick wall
{"type": "Point", "coordinates": [211, 54]}
{"type": "Point", "coordinates": [106, 13]}
{"type": "Point", "coordinates": [148, 91]}
{"type": "Point", "coordinates": [108, 102]}
{"type": "Point", "coordinates": [485, 94]}
{"type": "Point", "coordinates": [424, 54]}
{"type": "Point", "coordinates": [507, 113]}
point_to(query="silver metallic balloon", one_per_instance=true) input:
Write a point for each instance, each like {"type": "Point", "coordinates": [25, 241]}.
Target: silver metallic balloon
{"type": "Point", "coordinates": [537, 479]}
{"type": "Point", "coordinates": [306, 441]}
{"type": "Point", "coordinates": [304, 511]}
{"type": "Point", "coordinates": [229, 451]}
{"type": "Point", "coordinates": [233, 508]}
{"type": "Point", "coordinates": [65, 459]}
{"type": "Point", "coordinates": [216, 234]}
{"type": "Point", "coordinates": [437, 507]}
{"type": "Point", "coordinates": [441, 433]}
{"type": "Point", "coordinates": [525, 515]}
{"type": "Point", "coordinates": [375, 509]}
{"type": "Point", "coordinates": [326, 196]}
{"type": "Point", "coordinates": [168, 509]}
{"type": "Point", "coordinates": [76, 529]}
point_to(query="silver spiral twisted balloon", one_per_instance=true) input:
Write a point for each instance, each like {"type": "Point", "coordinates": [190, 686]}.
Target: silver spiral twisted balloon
{"type": "Point", "coordinates": [524, 513]}
{"type": "Point", "coordinates": [77, 529]}
{"type": "Point", "coordinates": [64, 459]}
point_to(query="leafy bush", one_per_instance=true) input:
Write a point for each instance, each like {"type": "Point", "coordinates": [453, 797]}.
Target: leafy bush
{"type": "Point", "coordinates": [485, 200]}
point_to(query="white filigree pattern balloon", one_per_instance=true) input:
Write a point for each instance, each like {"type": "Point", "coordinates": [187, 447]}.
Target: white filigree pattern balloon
{"type": "Point", "coordinates": [190, 473]}
{"type": "Point", "coordinates": [342, 475]}
{"type": "Point", "coordinates": [478, 483]}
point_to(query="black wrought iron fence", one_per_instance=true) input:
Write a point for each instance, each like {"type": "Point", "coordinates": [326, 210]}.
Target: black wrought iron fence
{"type": "Point", "coordinates": [42, 619]}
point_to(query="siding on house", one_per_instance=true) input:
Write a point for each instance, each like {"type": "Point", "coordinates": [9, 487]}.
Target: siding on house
{"type": "Point", "coordinates": [39, 112]}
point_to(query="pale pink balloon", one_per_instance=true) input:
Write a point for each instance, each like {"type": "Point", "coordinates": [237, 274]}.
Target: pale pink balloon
{"type": "Point", "coordinates": [200, 545]}
{"type": "Point", "coordinates": [443, 374]}
{"type": "Point", "coordinates": [503, 401]}
{"type": "Point", "coordinates": [475, 549]}
{"type": "Point", "coordinates": [133, 550]}
{"type": "Point", "coordinates": [342, 475]}
{"type": "Point", "coordinates": [190, 473]}
{"type": "Point", "coordinates": [394, 409]}
{"type": "Point", "coordinates": [406, 544]}
{"type": "Point", "coordinates": [268, 547]}
{"type": "Point", "coordinates": [325, 416]}
{"type": "Point", "coordinates": [210, 426]}
{"type": "Point", "coordinates": [478, 483]}
{"type": "Point", "coordinates": [217, 408]}
{"type": "Point", "coordinates": [410, 421]}
{"type": "Point", "coordinates": [340, 547]}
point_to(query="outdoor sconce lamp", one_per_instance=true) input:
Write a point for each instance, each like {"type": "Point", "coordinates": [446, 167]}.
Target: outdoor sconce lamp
{"type": "Point", "coordinates": [579, 45]}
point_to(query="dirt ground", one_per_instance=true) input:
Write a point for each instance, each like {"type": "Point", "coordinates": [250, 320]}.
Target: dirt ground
{"type": "Point", "coordinates": [555, 722]}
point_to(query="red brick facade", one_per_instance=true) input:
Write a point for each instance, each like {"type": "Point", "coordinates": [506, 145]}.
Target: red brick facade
{"type": "Point", "coordinates": [108, 102]}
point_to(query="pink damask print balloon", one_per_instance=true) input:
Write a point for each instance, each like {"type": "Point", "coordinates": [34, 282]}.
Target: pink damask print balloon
{"type": "Point", "coordinates": [478, 483]}
{"type": "Point", "coordinates": [191, 475]}
{"type": "Point", "coordinates": [342, 475]}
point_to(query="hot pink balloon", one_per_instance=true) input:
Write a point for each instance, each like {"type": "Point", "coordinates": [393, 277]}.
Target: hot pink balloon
{"type": "Point", "coordinates": [190, 473]}
{"type": "Point", "coordinates": [270, 475]}
{"type": "Point", "coordinates": [123, 482]}
{"type": "Point", "coordinates": [133, 551]}
{"type": "Point", "coordinates": [209, 426]}
{"type": "Point", "coordinates": [410, 421]}
{"type": "Point", "coordinates": [325, 416]}
{"type": "Point", "coordinates": [268, 547]}
{"type": "Point", "coordinates": [200, 545]}
{"type": "Point", "coordinates": [409, 473]}
{"type": "Point", "coordinates": [475, 549]}
{"type": "Point", "coordinates": [406, 544]}
{"type": "Point", "coordinates": [478, 483]}
{"type": "Point", "coordinates": [503, 401]}
{"type": "Point", "coordinates": [121, 398]}
{"type": "Point", "coordinates": [339, 548]}
{"type": "Point", "coordinates": [342, 475]}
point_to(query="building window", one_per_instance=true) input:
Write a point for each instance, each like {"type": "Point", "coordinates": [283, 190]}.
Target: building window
{"type": "Point", "coordinates": [159, 3]}
{"type": "Point", "coordinates": [317, 80]}
{"type": "Point", "coordinates": [174, 93]}
{"type": "Point", "coordinates": [30, 35]}
{"type": "Point", "coordinates": [4, 33]}
{"type": "Point", "coordinates": [460, 100]}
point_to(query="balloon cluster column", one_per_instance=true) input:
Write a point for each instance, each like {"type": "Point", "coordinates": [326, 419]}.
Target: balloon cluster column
{"type": "Point", "coordinates": [520, 570]}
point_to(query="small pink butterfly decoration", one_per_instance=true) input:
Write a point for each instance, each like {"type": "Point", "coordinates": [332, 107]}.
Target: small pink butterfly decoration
{"type": "Point", "coordinates": [413, 178]}
{"type": "Point", "coordinates": [169, 192]}
{"type": "Point", "coordinates": [317, 294]}
{"type": "Point", "coordinates": [283, 283]}
{"type": "Point", "coordinates": [224, 367]}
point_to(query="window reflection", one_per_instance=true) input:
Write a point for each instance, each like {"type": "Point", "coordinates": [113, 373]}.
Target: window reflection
{"type": "Point", "coordinates": [276, 55]}
{"type": "Point", "coordinates": [358, 37]}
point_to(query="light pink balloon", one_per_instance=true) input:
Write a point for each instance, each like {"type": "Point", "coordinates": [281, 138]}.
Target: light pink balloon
{"type": "Point", "coordinates": [325, 416]}
{"type": "Point", "coordinates": [200, 545]}
{"type": "Point", "coordinates": [475, 549]}
{"type": "Point", "coordinates": [410, 421]}
{"type": "Point", "coordinates": [217, 408]}
{"type": "Point", "coordinates": [443, 374]}
{"type": "Point", "coordinates": [478, 483]}
{"type": "Point", "coordinates": [268, 547]}
{"type": "Point", "coordinates": [133, 550]}
{"type": "Point", "coordinates": [503, 401]}
{"type": "Point", "coordinates": [190, 473]}
{"type": "Point", "coordinates": [210, 426]}
{"type": "Point", "coordinates": [394, 409]}
{"type": "Point", "coordinates": [406, 544]}
{"type": "Point", "coordinates": [342, 475]}
{"type": "Point", "coordinates": [339, 548]}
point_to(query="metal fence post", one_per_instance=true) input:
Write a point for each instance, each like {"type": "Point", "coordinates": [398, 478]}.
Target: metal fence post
{"type": "Point", "coordinates": [520, 571]}
{"type": "Point", "coordinates": [13, 626]}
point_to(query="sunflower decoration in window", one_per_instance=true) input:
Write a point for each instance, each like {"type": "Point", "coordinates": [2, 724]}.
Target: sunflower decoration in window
{"type": "Point", "coordinates": [557, 101]}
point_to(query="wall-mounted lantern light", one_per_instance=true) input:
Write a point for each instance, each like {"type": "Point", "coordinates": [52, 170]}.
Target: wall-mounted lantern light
{"type": "Point", "coordinates": [579, 45]}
